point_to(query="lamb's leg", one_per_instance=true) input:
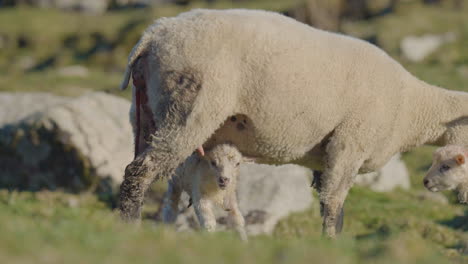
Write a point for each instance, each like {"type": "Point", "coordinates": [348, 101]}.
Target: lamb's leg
{"type": "Point", "coordinates": [343, 164]}
{"type": "Point", "coordinates": [204, 211]}
{"type": "Point", "coordinates": [463, 193]}
{"type": "Point", "coordinates": [236, 219]}
{"type": "Point", "coordinates": [171, 201]}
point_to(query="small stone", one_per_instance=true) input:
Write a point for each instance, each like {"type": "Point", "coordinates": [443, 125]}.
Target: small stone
{"type": "Point", "coordinates": [393, 175]}
{"type": "Point", "coordinates": [432, 196]}
{"type": "Point", "coordinates": [74, 71]}
{"type": "Point", "coordinates": [416, 49]}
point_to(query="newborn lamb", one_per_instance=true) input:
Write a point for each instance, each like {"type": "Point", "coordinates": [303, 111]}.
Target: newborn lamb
{"type": "Point", "coordinates": [209, 180]}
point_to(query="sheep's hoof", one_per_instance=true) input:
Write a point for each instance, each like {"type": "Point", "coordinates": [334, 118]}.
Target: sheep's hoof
{"type": "Point", "coordinates": [340, 221]}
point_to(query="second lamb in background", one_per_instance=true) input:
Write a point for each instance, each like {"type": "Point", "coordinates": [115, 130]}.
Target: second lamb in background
{"type": "Point", "coordinates": [208, 180]}
{"type": "Point", "coordinates": [449, 171]}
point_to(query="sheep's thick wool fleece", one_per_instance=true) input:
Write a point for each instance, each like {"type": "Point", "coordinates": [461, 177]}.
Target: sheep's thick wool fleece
{"type": "Point", "coordinates": [296, 84]}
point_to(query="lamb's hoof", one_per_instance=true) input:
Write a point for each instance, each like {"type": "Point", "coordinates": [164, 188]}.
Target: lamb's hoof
{"type": "Point", "coordinates": [463, 197]}
{"type": "Point", "coordinates": [339, 220]}
{"type": "Point", "coordinates": [243, 236]}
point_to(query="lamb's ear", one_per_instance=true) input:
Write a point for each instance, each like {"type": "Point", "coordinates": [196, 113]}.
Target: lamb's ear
{"type": "Point", "coordinates": [460, 159]}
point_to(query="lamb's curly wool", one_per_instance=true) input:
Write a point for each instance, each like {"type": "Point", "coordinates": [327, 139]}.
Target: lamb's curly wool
{"type": "Point", "coordinates": [307, 96]}
{"type": "Point", "coordinates": [449, 171]}
{"type": "Point", "coordinates": [209, 180]}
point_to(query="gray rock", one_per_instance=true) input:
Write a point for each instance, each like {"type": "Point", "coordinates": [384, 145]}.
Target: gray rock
{"type": "Point", "coordinates": [16, 106]}
{"type": "Point", "coordinates": [393, 175]}
{"type": "Point", "coordinates": [88, 6]}
{"type": "Point", "coordinates": [432, 196]}
{"type": "Point", "coordinates": [25, 63]}
{"type": "Point", "coordinates": [417, 48]}
{"type": "Point", "coordinates": [74, 71]}
{"type": "Point", "coordinates": [74, 144]}
{"type": "Point", "coordinates": [266, 195]}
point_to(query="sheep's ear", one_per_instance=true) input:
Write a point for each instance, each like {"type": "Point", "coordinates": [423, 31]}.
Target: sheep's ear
{"type": "Point", "coordinates": [460, 159]}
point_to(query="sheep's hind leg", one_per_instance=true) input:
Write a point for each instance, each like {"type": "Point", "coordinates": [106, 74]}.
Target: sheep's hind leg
{"type": "Point", "coordinates": [317, 185]}
{"type": "Point", "coordinates": [181, 130]}
{"type": "Point", "coordinates": [342, 166]}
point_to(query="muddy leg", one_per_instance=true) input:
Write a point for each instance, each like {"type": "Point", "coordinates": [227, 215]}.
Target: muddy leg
{"type": "Point", "coordinates": [317, 185]}
{"type": "Point", "coordinates": [337, 179]}
{"type": "Point", "coordinates": [184, 122]}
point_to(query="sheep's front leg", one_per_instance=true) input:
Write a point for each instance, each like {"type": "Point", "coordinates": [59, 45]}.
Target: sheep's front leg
{"type": "Point", "coordinates": [342, 166]}
{"type": "Point", "coordinates": [204, 211]}
{"type": "Point", "coordinates": [236, 219]}
{"type": "Point", "coordinates": [171, 201]}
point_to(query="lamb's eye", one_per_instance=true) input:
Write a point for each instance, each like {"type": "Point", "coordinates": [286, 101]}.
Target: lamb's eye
{"type": "Point", "coordinates": [238, 163]}
{"type": "Point", "coordinates": [444, 168]}
{"type": "Point", "coordinates": [213, 163]}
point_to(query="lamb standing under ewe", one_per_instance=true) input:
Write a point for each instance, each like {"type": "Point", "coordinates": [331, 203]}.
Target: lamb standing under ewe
{"type": "Point", "coordinates": [208, 180]}
{"type": "Point", "coordinates": [298, 94]}
{"type": "Point", "coordinates": [449, 171]}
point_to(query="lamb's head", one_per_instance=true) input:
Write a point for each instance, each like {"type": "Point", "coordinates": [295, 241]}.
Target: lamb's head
{"type": "Point", "coordinates": [224, 161]}
{"type": "Point", "coordinates": [449, 170]}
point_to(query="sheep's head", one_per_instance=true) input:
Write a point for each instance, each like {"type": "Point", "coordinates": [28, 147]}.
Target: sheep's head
{"type": "Point", "coordinates": [449, 170]}
{"type": "Point", "coordinates": [224, 161]}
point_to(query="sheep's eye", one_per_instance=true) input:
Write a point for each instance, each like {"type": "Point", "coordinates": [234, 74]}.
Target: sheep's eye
{"type": "Point", "coordinates": [213, 163]}
{"type": "Point", "coordinates": [444, 168]}
{"type": "Point", "coordinates": [238, 163]}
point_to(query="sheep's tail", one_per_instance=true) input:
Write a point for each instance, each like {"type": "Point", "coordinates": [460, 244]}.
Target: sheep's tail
{"type": "Point", "coordinates": [138, 50]}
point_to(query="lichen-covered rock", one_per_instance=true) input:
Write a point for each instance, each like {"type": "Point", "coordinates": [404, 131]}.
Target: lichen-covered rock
{"type": "Point", "coordinates": [87, 6]}
{"type": "Point", "coordinates": [266, 194]}
{"type": "Point", "coordinates": [16, 106]}
{"type": "Point", "coordinates": [74, 144]}
{"type": "Point", "coordinates": [393, 175]}
{"type": "Point", "coordinates": [432, 196]}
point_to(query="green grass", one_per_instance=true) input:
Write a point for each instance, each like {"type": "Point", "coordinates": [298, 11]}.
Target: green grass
{"type": "Point", "coordinates": [46, 227]}
{"type": "Point", "coordinates": [53, 227]}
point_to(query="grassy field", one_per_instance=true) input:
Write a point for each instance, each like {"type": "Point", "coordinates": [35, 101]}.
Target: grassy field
{"type": "Point", "coordinates": [55, 227]}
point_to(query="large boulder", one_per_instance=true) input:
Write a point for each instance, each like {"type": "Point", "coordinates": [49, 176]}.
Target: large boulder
{"type": "Point", "coordinates": [393, 175]}
{"type": "Point", "coordinates": [75, 144]}
{"type": "Point", "coordinates": [87, 6]}
{"type": "Point", "coordinates": [17, 106]}
{"type": "Point", "coordinates": [266, 195]}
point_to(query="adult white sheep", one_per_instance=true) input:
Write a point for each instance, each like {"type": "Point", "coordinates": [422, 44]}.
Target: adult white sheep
{"type": "Point", "coordinates": [209, 180]}
{"type": "Point", "coordinates": [449, 171]}
{"type": "Point", "coordinates": [307, 96]}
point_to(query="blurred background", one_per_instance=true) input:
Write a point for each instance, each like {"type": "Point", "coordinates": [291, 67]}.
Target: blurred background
{"type": "Point", "coordinates": [65, 140]}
